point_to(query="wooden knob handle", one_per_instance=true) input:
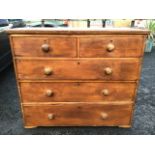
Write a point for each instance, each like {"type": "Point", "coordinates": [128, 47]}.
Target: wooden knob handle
{"type": "Point", "coordinates": [45, 47]}
{"type": "Point", "coordinates": [104, 115]}
{"type": "Point", "coordinates": [48, 71]}
{"type": "Point", "coordinates": [49, 93]}
{"type": "Point", "coordinates": [110, 47]}
{"type": "Point", "coordinates": [50, 116]}
{"type": "Point", "coordinates": [105, 92]}
{"type": "Point", "coordinates": [108, 71]}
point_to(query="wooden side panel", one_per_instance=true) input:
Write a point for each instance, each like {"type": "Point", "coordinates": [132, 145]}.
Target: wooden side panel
{"type": "Point", "coordinates": [88, 69]}
{"type": "Point", "coordinates": [77, 92]}
{"type": "Point", "coordinates": [125, 46]}
{"type": "Point", "coordinates": [31, 46]}
{"type": "Point", "coordinates": [77, 115]}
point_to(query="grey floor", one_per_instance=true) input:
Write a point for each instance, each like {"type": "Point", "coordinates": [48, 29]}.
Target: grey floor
{"type": "Point", "coordinates": [144, 116]}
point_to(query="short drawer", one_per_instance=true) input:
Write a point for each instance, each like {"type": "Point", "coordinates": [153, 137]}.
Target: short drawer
{"type": "Point", "coordinates": [76, 114]}
{"type": "Point", "coordinates": [44, 46]}
{"type": "Point", "coordinates": [84, 69]}
{"type": "Point", "coordinates": [77, 91]}
{"type": "Point", "coordinates": [111, 46]}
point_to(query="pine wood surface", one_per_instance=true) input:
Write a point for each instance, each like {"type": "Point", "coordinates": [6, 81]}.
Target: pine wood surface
{"type": "Point", "coordinates": [77, 77]}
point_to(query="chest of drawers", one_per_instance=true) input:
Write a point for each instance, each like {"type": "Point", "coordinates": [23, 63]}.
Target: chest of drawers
{"type": "Point", "coordinates": [77, 77]}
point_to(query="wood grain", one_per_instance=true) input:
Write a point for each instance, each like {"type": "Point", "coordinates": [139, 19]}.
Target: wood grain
{"type": "Point", "coordinates": [79, 31]}
{"type": "Point", "coordinates": [86, 69]}
{"type": "Point", "coordinates": [77, 115]}
{"type": "Point", "coordinates": [59, 46]}
{"type": "Point", "coordinates": [80, 68]}
{"type": "Point", "coordinates": [77, 92]}
{"type": "Point", "coordinates": [125, 46]}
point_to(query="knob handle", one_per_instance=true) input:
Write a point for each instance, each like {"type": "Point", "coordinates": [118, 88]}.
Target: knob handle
{"type": "Point", "coordinates": [50, 116]}
{"type": "Point", "coordinates": [105, 92]}
{"type": "Point", "coordinates": [45, 47]}
{"type": "Point", "coordinates": [49, 93]}
{"type": "Point", "coordinates": [104, 115]}
{"type": "Point", "coordinates": [48, 71]}
{"type": "Point", "coordinates": [110, 47]}
{"type": "Point", "coordinates": [108, 70]}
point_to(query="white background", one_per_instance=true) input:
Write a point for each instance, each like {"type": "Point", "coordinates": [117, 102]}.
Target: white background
{"type": "Point", "coordinates": [74, 9]}
{"type": "Point", "coordinates": [77, 145]}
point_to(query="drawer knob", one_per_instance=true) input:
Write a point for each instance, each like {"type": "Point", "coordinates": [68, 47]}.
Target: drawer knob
{"type": "Point", "coordinates": [104, 115]}
{"type": "Point", "coordinates": [108, 71]}
{"type": "Point", "coordinates": [105, 92]}
{"type": "Point", "coordinates": [48, 71]}
{"type": "Point", "coordinates": [45, 47]}
{"type": "Point", "coordinates": [49, 93]}
{"type": "Point", "coordinates": [110, 47]}
{"type": "Point", "coordinates": [50, 116]}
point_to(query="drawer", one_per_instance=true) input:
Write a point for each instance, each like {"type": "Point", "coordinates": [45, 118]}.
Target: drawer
{"type": "Point", "coordinates": [44, 46]}
{"type": "Point", "coordinates": [77, 91]}
{"type": "Point", "coordinates": [111, 46]}
{"type": "Point", "coordinates": [84, 69]}
{"type": "Point", "coordinates": [76, 114]}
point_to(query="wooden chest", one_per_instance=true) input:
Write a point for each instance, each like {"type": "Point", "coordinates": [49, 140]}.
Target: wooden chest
{"type": "Point", "coordinates": [77, 77]}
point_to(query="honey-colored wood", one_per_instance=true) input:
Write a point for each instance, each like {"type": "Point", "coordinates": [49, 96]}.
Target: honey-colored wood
{"type": "Point", "coordinates": [31, 46]}
{"type": "Point", "coordinates": [77, 114]}
{"type": "Point", "coordinates": [125, 126]}
{"type": "Point", "coordinates": [136, 90]}
{"type": "Point", "coordinates": [87, 103]}
{"type": "Point", "coordinates": [124, 46]}
{"type": "Point", "coordinates": [77, 77]}
{"type": "Point", "coordinates": [122, 69]}
{"type": "Point", "coordinates": [79, 31]}
{"type": "Point", "coordinates": [17, 82]}
{"type": "Point", "coordinates": [77, 92]}
{"type": "Point", "coordinates": [30, 127]}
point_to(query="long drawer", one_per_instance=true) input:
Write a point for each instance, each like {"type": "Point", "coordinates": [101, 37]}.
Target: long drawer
{"type": "Point", "coordinates": [77, 91]}
{"type": "Point", "coordinates": [76, 114]}
{"type": "Point", "coordinates": [46, 46]}
{"type": "Point", "coordinates": [82, 69]}
{"type": "Point", "coordinates": [111, 46]}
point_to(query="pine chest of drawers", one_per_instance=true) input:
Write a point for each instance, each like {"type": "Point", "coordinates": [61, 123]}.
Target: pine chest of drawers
{"type": "Point", "coordinates": [73, 77]}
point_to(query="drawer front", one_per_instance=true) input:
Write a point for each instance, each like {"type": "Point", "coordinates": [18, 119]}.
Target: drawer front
{"type": "Point", "coordinates": [45, 46]}
{"type": "Point", "coordinates": [85, 69]}
{"type": "Point", "coordinates": [77, 114]}
{"type": "Point", "coordinates": [111, 46]}
{"type": "Point", "coordinates": [77, 92]}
